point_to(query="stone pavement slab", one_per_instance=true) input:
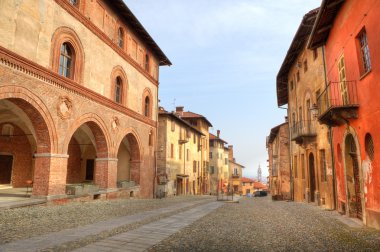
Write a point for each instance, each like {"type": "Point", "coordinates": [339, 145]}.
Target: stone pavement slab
{"type": "Point", "coordinates": [73, 234]}
{"type": "Point", "coordinates": [143, 238]}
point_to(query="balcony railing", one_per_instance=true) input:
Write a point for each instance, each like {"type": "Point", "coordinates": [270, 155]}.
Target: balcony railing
{"type": "Point", "coordinates": [235, 176]}
{"type": "Point", "coordinates": [303, 130]}
{"type": "Point", "coordinates": [338, 103]}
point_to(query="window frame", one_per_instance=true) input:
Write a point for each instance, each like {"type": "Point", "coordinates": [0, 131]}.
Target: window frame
{"type": "Point", "coordinates": [364, 57]}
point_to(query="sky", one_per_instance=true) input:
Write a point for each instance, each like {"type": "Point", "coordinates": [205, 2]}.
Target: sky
{"type": "Point", "coordinates": [225, 55]}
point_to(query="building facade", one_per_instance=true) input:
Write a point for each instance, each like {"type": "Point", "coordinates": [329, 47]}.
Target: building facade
{"type": "Point", "coordinates": [300, 82]}
{"type": "Point", "coordinates": [78, 95]}
{"type": "Point", "coordinates": [202, 124]}
{"type": "Point", "coordinates": [235, 172]}
{"type": "Point", "coordinates": [349, 33]}
{"type": "Point", "coordinates": [179, 156]}
{"type": "Point", "coordinates": [218, 163]}
{"type": "Point", "coordinates": [279, 163]}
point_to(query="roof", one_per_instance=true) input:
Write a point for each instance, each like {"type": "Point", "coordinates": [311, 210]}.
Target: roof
{"type": "Point", "coordinates": [247, 180]}
{"type": "Point", "coordinates": [163, 112]}
{"type": "Point", "coordinates": [324, 22]}
{"type": "Point", "coordinates": [294, 50]}
{"type": "Point", "coordinates": [213, 137]}
{"type": "Point", "coordinates": [274, 131]}
{"type": "Point", "coordinates": [259, 185]}
{"type": "Point", "coordinates": [189, 114]}
{"type": "Point", "coordinates": [234, 162]}
{"type": "Point", "coordinates": [135, 24]}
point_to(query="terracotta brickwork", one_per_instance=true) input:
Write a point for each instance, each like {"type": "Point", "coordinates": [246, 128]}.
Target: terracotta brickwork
{"type": "Point", "coordinates": [70, 120]}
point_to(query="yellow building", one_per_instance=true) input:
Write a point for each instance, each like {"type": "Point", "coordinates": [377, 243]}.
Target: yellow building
{"type": "Point", "coordinates": [218, 163]}
{"type": "Point", "coordinates": [202, 124]}
{"type": "Point", "coordinates": [235, 172]}
{"type": "Point", "coordinates": [179, 156]}
{"type": "Point", "coordinates": [300, 82]}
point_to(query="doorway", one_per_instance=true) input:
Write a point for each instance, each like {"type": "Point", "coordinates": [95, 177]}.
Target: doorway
{"type": "Point", "coordinates": [90, 164]}
{"type": "Point", "coordinates": [6, 162]}
{"type": "Point", "coordinates": [353, 179]}
{"type": "Point", "coordinates": [312, 177]}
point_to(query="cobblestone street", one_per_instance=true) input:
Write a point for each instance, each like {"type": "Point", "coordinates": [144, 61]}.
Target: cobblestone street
{"type": "Point", "coordinates": [185, 224]}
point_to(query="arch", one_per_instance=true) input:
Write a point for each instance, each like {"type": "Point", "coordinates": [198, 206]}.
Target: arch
{"type": "Point", "coordinates": [118, 72]}
{"type": "Point", "coordinates": [38, 114]}
{"type": "Point", "coordinates": [129, 156]}
{"type": "Point", "coordinates": [147, 109]}
{"type": "Point", "coordinates": [67, 35]}
{"type": "Point", "coordinates": [353, 176]}
{"type": "Point", "coordinates": [99, 130]}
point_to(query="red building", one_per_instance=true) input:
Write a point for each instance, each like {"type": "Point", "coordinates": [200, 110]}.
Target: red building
{"type": "Point", "coordinates": [349, 31]}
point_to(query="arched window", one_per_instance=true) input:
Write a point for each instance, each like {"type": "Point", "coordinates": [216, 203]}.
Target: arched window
{"type": "Point", "coordinates": [118, 90]}
{"type": "Point", "coordinates": [120, 37]}
{"type": "Point", "coordinates": [369, 146]}
{"type": "Point", "coordinates": [147, 106]}
{"type": "Point", "coordinates": [147, 62]}
{"type": "Point", "coordinates": [66, 60]}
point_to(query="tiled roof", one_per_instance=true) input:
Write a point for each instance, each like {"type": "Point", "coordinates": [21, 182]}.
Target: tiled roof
{"type": "Point", "coordinates": [189, 114]}
{"type": "Point", "coordinates": [163, 112]}
{"type": "Point", "coordinates": [213, 137]}
{"type": "Point", "coordinates": [273, 133]}
{"type": "Point", "coordinates": [247, 180]}
{"type": "Point", "coordinates": [259, 185]}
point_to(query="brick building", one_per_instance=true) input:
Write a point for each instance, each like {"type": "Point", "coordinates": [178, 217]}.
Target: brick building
{"type": "Point", "coordinates": [279, 163]}
{"type": "Point", "coordinates": [78, 98]}
{"type": "Point", "coordinates": [179, 156]}
{"type": "Point", "coordinates": [349, 33]}
{"type": "Point", "coordinates": [300, 81]}
{"type": "Point", "coordinates": [218, 163]}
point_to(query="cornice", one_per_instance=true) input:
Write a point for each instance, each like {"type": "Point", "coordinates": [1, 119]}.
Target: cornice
{"type": "Point", "coordinates": [28, 67]}
{"type": "Point", "coordinates": [101, 35]}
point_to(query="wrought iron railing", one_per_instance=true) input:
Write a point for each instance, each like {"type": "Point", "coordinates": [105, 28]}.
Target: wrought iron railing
{"type": "Point", "coordinates": [304, 129]}
{"type": "Point", "coordinates": [338, 95]}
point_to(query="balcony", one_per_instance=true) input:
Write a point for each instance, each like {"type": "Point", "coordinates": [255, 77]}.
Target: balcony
{"type": "Point", "coordinates": [338, 103]}
{"type": "Point", "coordinates": [235, 176]}
{"type": "Point", "coordinates": [304, 131]}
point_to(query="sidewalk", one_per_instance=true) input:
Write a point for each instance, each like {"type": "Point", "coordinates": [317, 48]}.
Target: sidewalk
{"type": "Point", "coordinates": [70, 235]}
{"type": "Point", "coordinates": [143, 238]}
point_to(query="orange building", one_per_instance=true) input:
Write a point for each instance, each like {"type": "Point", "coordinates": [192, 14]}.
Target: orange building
{"type": "Point", "coordinates": [247, 185]}
{"type": "Point", "coordinates": [349, 32]}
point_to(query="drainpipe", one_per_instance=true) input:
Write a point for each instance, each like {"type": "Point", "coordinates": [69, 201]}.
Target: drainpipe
{"type": "Point", "coordinates": [330, 139]}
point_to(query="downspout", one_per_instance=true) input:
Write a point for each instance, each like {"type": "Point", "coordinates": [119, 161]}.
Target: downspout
{"type": "Point", "coordinates": [330, 139]}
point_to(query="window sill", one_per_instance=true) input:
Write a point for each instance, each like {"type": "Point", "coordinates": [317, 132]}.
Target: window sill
{"type": "Point", "coordinates": [365, 74]}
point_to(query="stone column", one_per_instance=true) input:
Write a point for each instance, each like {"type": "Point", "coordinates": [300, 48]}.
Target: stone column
{"type": "Point", "coordinates": [105, 172]}
{"type": "Point", "coordinates": [50, 175]}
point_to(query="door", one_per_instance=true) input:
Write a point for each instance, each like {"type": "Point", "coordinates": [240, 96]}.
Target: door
{"type": "Point", "coordinates": [312, 177]}
{"type": "Point", "coordinates": [342, 79]}
{"type": "Point", "coordinates": [90, 164]}
{"type": "Point", "coordinates": [6, 162]}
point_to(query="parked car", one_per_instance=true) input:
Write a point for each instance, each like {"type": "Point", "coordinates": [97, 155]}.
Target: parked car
{"type": "Point", "coordinates": [261, 193]}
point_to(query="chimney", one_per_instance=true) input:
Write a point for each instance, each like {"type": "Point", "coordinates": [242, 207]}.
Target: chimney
{"type": "Point", "coordinates": [230, 152]}
{"type": "Point", "coordinates": [218, 133]}
{"type": "Point", "coordinates": [179, 110]}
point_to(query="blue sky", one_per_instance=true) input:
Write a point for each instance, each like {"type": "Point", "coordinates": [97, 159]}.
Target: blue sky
{"type": "Point", "coordinates": [225, 55]}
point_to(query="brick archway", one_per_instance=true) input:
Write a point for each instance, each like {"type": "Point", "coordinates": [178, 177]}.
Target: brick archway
{"type": "Point", "coordinates": [135, 153]}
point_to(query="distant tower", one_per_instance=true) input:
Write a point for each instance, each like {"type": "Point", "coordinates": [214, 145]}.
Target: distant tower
{"type": "Point", "coordinates": [259, 174]}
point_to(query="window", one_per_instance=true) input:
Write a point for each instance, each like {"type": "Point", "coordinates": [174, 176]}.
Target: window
{"type": "Point", "coordinates": [298, 76]}
{"type": "Point", "coordinates": [210, 155]}
{"type": "Point", "coordinates": [187, 154]}
{"type": "Point", "coordinates": [226, 161]}
{"type": "Point", "coordinates": [235, 171]}
{"type": "Point", "coordinates": [194, 138]}
{"type": "Point", "coordinates": [120, 37]}
{"type": "Point", "coordinates": [118, 90]}
{"type": "Point", "coordinates": [303, 166]}
{"type": "Point", "coordinates": [305, 66]}
{"type": "Point", "coordinates": [146, 106]}
{"type": "Point", "coordinates": [315, 53]}
{"type": "Point", "coordinates": [342, 80]}
{"type": "Point", "coordinates": [291, 85]}
{"type": "Point", "coordinates": [172, 150]}
{"type": "Point", "coordinates": [66, 61]}
{"type": "Point", "coordinates": [150, 138]}
{"type": "Point", "coordinates": [194, 166]}
{"type": "Point", "coordinates": [211, 143]}
{"type": "Point", "coordinates": [180, 151]}
{"type": "Point", "coordinates": [74, 2]}
{"type": "Point", "coordinates": [212, 169]}
{"type": "Point", "coordinates": [322, 164]}
{"type": "Point", "coordinates": [369, 147]}
{"type": "Point", "coordinates": [7, 130]}
{"type": "Point", "coordinates": [364, 52]}
{"type": "Point", "coordinates": [173, 126]}
{"type": "Point", "coordinates": [147, 62]}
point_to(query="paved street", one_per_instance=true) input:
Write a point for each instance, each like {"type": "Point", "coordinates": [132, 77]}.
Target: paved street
{"type": "Point", "coordinates": [202, 224]}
